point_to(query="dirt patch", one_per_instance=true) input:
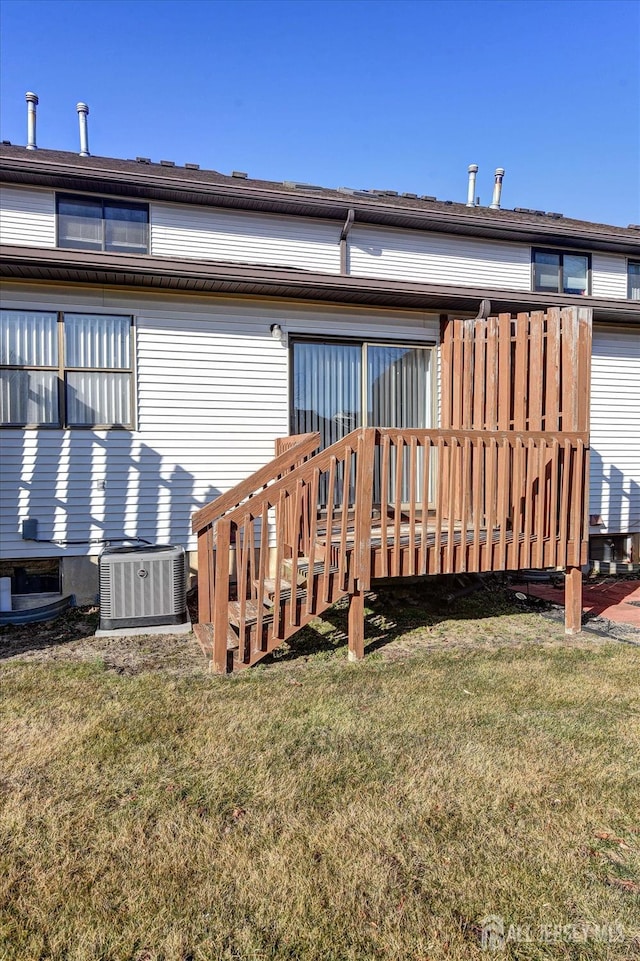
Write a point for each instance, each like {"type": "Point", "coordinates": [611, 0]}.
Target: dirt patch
{"type": "Point", "coordinates": [71, 638]}
{"type": "Point", "coordinates": [401, 621]}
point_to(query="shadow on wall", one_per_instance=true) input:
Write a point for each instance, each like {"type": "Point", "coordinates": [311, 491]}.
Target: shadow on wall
{"type": "Point", "coordinates": [84, 485]}
{"type": "Point", "coordinates": [615, 496]}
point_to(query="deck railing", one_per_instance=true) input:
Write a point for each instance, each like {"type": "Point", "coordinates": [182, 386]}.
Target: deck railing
{"type": "Point", "coordinates": [454, 501]}
{"type": "Point", "coordinates": [291, 452]}
{"type": "Point", "coordinates": [387, 503]}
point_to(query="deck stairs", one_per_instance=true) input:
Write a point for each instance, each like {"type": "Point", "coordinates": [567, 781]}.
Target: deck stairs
{"type": "Point", "coordinates": [264, 623]}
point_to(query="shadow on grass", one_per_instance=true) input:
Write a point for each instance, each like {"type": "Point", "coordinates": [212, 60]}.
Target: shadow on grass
{"type": "Point", "coordinates": [393, 611]}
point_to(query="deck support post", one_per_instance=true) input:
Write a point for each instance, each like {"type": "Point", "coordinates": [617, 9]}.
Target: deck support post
{"type": "Point", "coordinates": [573, 600]}
{"type": "Point", "coordinates": [356, 625]}
{"type": "Point", "coordinates": [221, 599]}
{"type": "Point", "coordinates": [205, 574]}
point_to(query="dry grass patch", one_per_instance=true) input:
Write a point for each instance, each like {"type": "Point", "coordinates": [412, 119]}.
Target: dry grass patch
{"type": "Point", "coordinates": [314, 809]}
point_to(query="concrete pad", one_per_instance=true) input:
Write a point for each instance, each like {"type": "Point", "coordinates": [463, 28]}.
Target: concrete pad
{"type": "Point", "coordinates": [145, 631]}
{"type": "Point", "coordinates": [617, 601]}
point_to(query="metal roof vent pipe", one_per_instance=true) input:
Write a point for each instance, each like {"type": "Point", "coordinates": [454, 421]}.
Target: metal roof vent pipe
{"type": "Point", "coordinates": [83, 113]}
{"type": "Point", "coordinates": [32, 103]}
{"type": "Point", "coordinates": [497, 189]}
{"type": "Point", "coordinates": [471, 193]}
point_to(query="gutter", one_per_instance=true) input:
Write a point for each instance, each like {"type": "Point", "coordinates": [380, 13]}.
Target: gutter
{"type": "Point", "coordinates": [111, 269]}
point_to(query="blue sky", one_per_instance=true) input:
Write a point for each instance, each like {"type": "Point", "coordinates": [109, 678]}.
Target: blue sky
{"type": "Point", "coordinates": [389, 95]}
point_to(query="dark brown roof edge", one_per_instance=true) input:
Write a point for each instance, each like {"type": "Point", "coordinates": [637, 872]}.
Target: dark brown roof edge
{"type": "Point", "coordinates": [127, 178]}
{"type": "Point", "coordinates": [73, 266]}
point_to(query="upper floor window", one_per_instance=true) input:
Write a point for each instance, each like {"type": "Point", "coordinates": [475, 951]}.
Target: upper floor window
{"type": "Point", "coordinates": [95, 223]}
{"type": "Point", "coordinates": [560, 272]}
{"type": "Point", "coordinates": [65, 369]}
{"type": "Point", "coordinates": [634, 280]}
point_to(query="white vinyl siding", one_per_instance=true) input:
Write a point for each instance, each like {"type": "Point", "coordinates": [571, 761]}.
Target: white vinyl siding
{"type": "Point", "coordinates": [213, 394]}
{"type": "Point", "coordinates": [615, 429]}
{"type": "Point", "coordinates": [609, 276]}
{"type": "Point", "coordinates": [207, 233]}
{"type": "Point", "coordinates": [27, 217]}
{"type": "Point", "coordinates": [438, 258]}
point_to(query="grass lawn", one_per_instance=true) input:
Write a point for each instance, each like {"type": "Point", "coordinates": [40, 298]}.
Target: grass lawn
{"type": "Point", "coordinates": [315, 809]}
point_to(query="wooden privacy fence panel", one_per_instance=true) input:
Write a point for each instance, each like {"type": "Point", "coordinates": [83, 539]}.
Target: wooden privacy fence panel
{"type": "Point", "coordinates": [530, 372]}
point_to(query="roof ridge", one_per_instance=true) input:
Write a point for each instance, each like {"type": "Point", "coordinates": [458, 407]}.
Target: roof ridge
{"type": "Point", "coordinates": [165, 174]}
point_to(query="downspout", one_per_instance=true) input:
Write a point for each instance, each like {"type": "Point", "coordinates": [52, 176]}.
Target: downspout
{"type": "Point", "coordinates": [484, 310]}
{"type": "Point", "coordinates": [351, 216]}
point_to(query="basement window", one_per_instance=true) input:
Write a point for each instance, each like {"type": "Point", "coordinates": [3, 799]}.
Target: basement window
{"type": "Point", "coordinates": [95, 223]}
{"type": "Point", "coordinates": [561, 272]}
{"type": "Point", "coordinates": [65, 369]}
{"type": "Point", "coordinates": [31, 576]}
{"type": "Point", "coordinates": [634, 280]}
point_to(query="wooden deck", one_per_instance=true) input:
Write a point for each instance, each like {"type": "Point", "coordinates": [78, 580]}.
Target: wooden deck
{"type": "Point", "coordinates": [503, 486]}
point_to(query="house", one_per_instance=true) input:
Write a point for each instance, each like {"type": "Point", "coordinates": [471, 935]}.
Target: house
{"type": "Point", "coordinates": [164, 326]}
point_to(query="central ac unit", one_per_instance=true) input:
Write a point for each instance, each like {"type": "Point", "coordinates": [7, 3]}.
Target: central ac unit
{"type": "Point", "coordinates": [142, 587]}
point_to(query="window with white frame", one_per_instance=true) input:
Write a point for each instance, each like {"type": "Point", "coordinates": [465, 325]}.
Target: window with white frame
{"type": "Point", "coordinates": [65, 369]}
{"type": "Point", "coordinates": [96, 223]}
{"type": "Point", "coordinates": [634, 280]}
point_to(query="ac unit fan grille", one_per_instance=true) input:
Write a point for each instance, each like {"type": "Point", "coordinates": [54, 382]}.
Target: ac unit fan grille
{"type": "Point", "coordinates": [142, 588]}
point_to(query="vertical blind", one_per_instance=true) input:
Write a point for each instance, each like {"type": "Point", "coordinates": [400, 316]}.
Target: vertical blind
{"type": "Point", "coordinates": [331, 380]}
{"type": "Point", "coordinates": [327, 389]}
{"type": "Point", "coordinates": [96, 398]}
{"type": "Point", "coordinates": [398, 386]}
{"type": "Point", "coordinates": [28, 338]}
{"type": "Point", "coordinates": [94, 372]}
{"type": "Point", "coordinates": [92, 340]}
{"type": "Point", "coordinates": [99, 396]}
{"type": "Point", "coordinates": [29, 397]}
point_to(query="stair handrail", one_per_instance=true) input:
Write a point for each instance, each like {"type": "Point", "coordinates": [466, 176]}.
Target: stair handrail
{"type": "Point", "coordinates": [272, 471]}
{"type": "Point", "coordinates": [319, 461]}
{"type": "Point", "coordinates": [361, 441]}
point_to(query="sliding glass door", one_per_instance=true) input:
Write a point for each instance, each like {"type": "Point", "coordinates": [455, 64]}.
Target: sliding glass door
{"type": "Point", "coordinates": [340, 386]}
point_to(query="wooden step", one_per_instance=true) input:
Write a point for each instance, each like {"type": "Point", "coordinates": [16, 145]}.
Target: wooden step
{"type": "Point", "coordinates": [289, 567]}
{"type": "Point", "coordinates": [251, 612]}
{"type": "Point", "coordinates": [303, 569]}
{"type": "Point", "coordinates": [204, 634]}
{"type": "Point", "coordinates": [269, 588]}
{"type": "Point", "coordinates": [251, 607]}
